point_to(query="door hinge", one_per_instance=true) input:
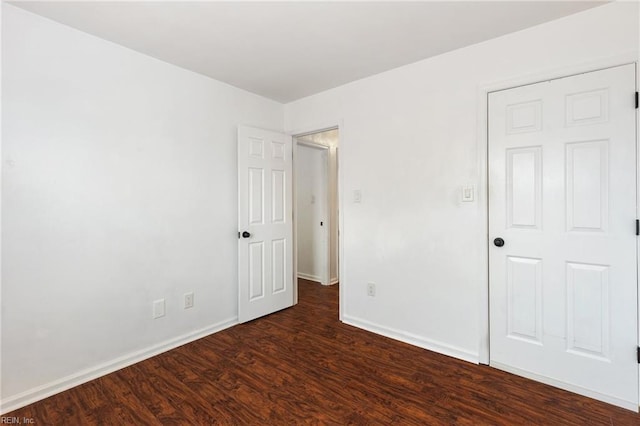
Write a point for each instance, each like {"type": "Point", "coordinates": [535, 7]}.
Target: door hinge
{"type": "Point", "coordinates": [637, 227]}
{"type": "Point", "coordinates": [638, 354]}
{"type": "Point", "coordinates": [637, 100]}
{"type": "Point", "coordinates": [239, 231]}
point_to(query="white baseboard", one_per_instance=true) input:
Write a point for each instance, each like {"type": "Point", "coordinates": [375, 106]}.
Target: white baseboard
{"type": "Point", "coordinates": [629, 405]}
{"type": "Point", "coordinates": [317, 279]}
{"type": "Point", "coordinates": [412, 339]}
{"type": "Point", "coordinates": [309, 277]}
{"type": "Point", "coordinates": [44, 391]}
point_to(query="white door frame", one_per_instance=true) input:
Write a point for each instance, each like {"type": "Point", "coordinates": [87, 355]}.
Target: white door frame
{"type": "Point", "coordinates": [629, 57]}
{"type": "Point", "coordinates": [326, 276]}
{"type": "Point", "coordinates": [307, 130]}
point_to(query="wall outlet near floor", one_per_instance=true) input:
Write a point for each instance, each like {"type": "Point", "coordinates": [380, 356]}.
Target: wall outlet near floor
{"type": "Point", "coordinates": [188, 300]}
{"type": "Point", "coordinates": [158, 308]}
{"type": "Point", "coordinates": [371, 289]}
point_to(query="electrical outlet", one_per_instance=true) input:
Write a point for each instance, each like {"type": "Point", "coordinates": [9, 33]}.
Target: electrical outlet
{"type": "Point", "coordinates": [158, 308]}
{"type": "Point", "coordinates": [188, 300]}
{"type": "Point", "coordinates": [371, 289]}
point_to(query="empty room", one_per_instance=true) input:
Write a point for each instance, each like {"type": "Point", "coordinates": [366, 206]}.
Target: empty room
{"type": "Point", "coordinates": [276, 213]}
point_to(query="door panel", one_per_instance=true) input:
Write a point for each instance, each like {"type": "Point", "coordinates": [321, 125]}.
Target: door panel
{"type": "Point", "coordinates": [524, 184]}
{"type": "Point", "coordinates": [562, 195]}
{"type": "Point", "coordinates": [524, 297]}
{"type": "Point", "coordinates": [265, 263]}
{"type": "Point", "coordinates": [587, 186]}
{"type": "Point", "coordinates": [588, 309]}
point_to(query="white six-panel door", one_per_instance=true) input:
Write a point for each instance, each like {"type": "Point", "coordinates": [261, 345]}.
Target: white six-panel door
{"type": "Point", "coordinates": [562, 196]}
{"type": "Point", "coordinates": [265, 262]}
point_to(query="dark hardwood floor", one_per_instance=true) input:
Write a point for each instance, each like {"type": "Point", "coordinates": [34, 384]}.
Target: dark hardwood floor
{"type": "Point", "coordinates": [301, 365]}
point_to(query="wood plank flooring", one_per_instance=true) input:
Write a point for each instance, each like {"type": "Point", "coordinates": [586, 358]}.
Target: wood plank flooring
{"type": "Point", "coordinates": [302, 366]}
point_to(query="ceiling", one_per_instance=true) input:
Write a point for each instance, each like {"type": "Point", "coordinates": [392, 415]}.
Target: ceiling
{"type": "Point", "coordinates": [288, 50]}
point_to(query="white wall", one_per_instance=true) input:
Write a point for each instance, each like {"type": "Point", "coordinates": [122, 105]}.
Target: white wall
{"type": "Point", "coordinates": [409, 141]}
{"type": "Point", "coordinates": [118, 188]}
{"type": "Point", "coordinates": [312, 207]}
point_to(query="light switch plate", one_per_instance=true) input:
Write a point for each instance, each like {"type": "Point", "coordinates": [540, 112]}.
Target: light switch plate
{"type": "Point", "coordinates": [468, 193]}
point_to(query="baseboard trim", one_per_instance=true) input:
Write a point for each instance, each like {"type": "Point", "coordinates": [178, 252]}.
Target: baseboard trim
{"type": "Point", "coordinates": [412, 339]}
{"type": "Point", "coordinates": [44, 391]}
{"type": "Point", "coordinates": [334, 281]}
{"type": "Point", "coordinates": [309, 277]}
{"type": "Point", "coordinates": [629, 405]}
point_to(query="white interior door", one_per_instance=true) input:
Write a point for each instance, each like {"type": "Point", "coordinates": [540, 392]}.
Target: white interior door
{"type": "Point", "coordinates": [265, 246]}
{"type": "Point", "coordinates": [562, 196]}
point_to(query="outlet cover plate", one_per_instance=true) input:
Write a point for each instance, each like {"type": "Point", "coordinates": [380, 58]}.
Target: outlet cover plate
{"type": "Point", "coordinates": [371, 289]}
{"type": "Point", "coordinates": [158, 308]}
{"type": "Point", "coordinates": [188, 300]}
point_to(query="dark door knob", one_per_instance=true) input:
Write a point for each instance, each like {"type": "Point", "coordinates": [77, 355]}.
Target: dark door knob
{"type": "Point", "coordinates": [246, 234]}
{"type": "Point", "coordinates": [498, 242]}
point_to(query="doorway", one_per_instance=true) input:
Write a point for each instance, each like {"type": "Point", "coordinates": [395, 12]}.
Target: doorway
{"type": "Point", "coordinates": [562, 257]}
{"type": "Point", "coordinates": [267, 237]}
{"type": "Point", "coordinates": [316, 206]}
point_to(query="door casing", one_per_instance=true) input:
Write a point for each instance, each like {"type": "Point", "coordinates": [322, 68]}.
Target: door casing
{"type": "Point", "coordinates": [307, 130]}
{"type": "Point", "coordinates": [625, 58]}
{"type": "Point", "coordinates": [554, 238]}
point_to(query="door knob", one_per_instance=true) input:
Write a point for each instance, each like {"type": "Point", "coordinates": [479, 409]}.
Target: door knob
{"type": "Point", "coordinates": [246, 234]}
{"type": "Point", "coordinates": [498, 242]}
